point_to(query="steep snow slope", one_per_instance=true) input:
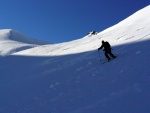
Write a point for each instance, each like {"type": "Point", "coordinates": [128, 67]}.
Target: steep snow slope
{"type": "Point", "coordinates": [11, 41]}
{"type": "Point", "coordinates": [132, 29]}
{"type": "Point", "coordinates": [69, 78]}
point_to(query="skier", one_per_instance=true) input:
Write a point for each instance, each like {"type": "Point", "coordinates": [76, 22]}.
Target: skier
{"type": "Point", "coordinates": [107, 49]}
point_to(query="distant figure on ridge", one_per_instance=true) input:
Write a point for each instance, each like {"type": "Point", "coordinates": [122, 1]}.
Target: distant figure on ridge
{"type": "Point", "coordinates": [107, 49]}
{"type": "Point", "coordinates": [92, 33]}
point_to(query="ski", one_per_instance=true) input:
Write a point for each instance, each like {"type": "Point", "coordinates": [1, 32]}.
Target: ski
{"type": "Point", "coordinates": [105, 62]}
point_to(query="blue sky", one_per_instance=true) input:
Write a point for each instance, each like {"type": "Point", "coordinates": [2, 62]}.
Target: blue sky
{"type": "Point", "coordinates": [59, 21]}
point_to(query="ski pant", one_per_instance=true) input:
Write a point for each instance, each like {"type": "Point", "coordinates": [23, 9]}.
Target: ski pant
{"type": "Point", "coordinates": [107, 53]}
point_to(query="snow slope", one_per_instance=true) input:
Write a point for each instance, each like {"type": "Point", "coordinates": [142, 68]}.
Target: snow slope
{"type": "Point", "coordinates": [69, 78]}
{"type": "Point", "coordinates": [11, 41]}
{"type": "Point", "coordinates": [132, 29]}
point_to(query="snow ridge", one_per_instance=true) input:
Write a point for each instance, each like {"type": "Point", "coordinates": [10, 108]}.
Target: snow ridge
{"type": "Point", "coordinates": [132, 29]}
{"type": "Point", "coordinates": [9, 34]}
{"type": "Point", "coordinates": [12, 41]}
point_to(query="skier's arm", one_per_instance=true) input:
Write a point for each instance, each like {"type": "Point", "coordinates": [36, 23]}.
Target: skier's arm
{"type": "Point", "coordinates": [100, 47]}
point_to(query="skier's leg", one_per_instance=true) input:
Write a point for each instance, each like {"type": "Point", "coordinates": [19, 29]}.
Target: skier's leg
{"type": "Point", "coordinates": [106, 54]}
{"type": "Point", "coordinates": [112, 55]}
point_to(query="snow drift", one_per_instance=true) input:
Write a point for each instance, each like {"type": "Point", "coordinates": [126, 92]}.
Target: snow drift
{"type": "Point", "coordinates": [69, 77]}
{"type": "Point", "coordinates": [12, 41]}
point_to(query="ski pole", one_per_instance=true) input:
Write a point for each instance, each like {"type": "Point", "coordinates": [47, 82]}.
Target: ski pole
{"type": "Point", "coordinates": [99, 56]}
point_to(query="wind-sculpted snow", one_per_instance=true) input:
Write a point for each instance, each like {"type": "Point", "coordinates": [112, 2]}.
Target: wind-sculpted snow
{"type": "Point", "coordinates": [69, 77]}
{"type": "Point", "coordinates": [12, 35]}
{"type": "Point", "coordinates": [11, 41]}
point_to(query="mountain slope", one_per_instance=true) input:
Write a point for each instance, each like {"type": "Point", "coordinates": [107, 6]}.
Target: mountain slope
{"type": "Point", "coordinates": [11, 41]}
{"type": "Point", "coordinates": [69, 78]}
{"type": "Point", "coordinates": [132, 29]}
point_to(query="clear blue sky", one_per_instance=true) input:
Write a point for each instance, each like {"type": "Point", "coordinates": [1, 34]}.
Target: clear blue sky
{"type": "Point", "coordinates": [64, 20]}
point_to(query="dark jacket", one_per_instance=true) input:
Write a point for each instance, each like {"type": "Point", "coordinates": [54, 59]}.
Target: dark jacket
{"type": "Point", "coordinates": [106, 46]}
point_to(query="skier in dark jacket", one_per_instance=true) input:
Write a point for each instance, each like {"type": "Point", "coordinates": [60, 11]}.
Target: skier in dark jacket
{"type": "Point", "coordinates": [107, 49]}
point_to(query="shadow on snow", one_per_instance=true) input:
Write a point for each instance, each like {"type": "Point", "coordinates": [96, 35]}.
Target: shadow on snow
{"type": "Point", "coordinates": [77, 83]}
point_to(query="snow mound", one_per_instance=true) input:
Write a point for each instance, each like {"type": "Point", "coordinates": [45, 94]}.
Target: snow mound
{"type": "Point", "coordinates": [12, 41]}
{"type": "Point", "coordinates": [9, 34]}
